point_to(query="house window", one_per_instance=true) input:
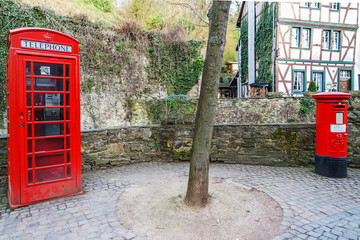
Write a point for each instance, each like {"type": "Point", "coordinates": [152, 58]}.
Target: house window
{"type": "Point", "coordinates": [295, 37]}
{"type": "Point", "coordinates": [334, 6]}
{"type": "Point", "coordinates": [309, 4]}
{"type": "Point", "coordinates": [318, 78]}
{"type": "Point", "coordinates": [314, 5]}
{"type": "Point", "coordinates": [300, 37]}
{"type": "Point", "coordinates": [345, 74]}
{"type": "Point", "coordinates": [304, 4]}
{"type": "Point", "coordinates": [331, 40]}
{"type": "Point", "coordinates": [335, 41]}
{"type": "Point", "coordinates": [298, 81]}
{"type": "Point", "coordinates": [326, 39]}
{"type": "Point", "coordinates": [305, 38]}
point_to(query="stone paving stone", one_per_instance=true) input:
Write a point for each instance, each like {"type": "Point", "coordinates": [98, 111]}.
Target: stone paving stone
{"type": "Point", "coordinates": [129, 235]}
{"type": "Point", "coordinates": [138, 238]}
{"type": "Point", "coordinates": [311, 203]}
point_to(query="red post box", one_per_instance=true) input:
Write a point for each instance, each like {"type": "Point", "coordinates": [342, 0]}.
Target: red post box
{"type": "Point", "coordinates": [43, 116]}
{"type": "Point", "coordinates": [331, 134]}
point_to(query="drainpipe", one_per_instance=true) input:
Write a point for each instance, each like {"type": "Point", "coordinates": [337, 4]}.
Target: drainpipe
{"type": "Point", "coordinates": [239, 66]}
{"type": "Point", "coordinates": [251, 41]}
{"type": "Point", "coordinates": [274, 48]}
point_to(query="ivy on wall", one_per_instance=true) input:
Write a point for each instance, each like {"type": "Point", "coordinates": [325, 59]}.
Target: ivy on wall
{"type": "Point", "coordinates": [263, 46]}
{"type": "Point", "coordinates": [244, 50]}
{"type": "Point", "coordinates": [14, 15]}
{"type": "Point", "coordinates": [176, 64]}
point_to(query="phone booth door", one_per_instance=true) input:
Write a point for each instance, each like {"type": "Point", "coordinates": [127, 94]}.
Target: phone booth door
{"type": "Point", "coordinates": [46, 143]}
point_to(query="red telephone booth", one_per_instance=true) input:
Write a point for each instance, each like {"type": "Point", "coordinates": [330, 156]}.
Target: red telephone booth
{"type": "Point", "coordinates": [43, 116]}
{"type": "Point", "coordinates": [331, 134]}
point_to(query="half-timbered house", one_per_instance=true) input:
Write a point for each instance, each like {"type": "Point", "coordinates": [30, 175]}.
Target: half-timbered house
{"type": "Point", "coordinates": [316, 42]}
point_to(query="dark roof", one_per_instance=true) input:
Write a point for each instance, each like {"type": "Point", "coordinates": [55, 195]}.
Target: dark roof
{"type": "Point", "coordinates": [234, 78]}
{"type": "Point", "coordinates": [238, 22]}
{"type": "Point", "coordinates": [223, 85]}
{"type": "Point", "coordinates": [259, 84]}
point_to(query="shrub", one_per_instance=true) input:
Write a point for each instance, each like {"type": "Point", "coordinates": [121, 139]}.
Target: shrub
{"type": "Point", "coordinates": [312, 87]}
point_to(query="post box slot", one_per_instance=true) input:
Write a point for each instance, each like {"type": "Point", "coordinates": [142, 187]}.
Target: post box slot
{"type": "Point", "coordinates": [339, 106]}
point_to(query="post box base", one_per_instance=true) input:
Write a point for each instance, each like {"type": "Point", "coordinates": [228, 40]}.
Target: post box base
{"type": "Point", "coordinates": [334, 167]}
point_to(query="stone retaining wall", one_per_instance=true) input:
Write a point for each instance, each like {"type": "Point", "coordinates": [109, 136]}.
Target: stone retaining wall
{"type": "Point", "coordinates": [275, 144]}
{"type": "Point", "coordinates": [263, 144]}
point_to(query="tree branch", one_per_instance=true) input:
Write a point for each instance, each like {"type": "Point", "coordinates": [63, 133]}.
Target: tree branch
{"type": "Point", "coordinates": [186, 5]}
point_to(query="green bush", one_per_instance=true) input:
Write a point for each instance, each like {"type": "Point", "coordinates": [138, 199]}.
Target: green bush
{"type": "Point", "coordinates": [177, 65]}
{"type": "Point", "coordinates": [103, 5]}
{"type": "Point", "coordinates": [154, 22]}
{"type": "Point", "coordinates": [312, 87]}
{"type": "Point", "coordinates": [307, 105]}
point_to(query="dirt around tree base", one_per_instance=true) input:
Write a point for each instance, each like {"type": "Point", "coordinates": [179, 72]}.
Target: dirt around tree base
{"type": "Point", "coordinates": [157, 211]}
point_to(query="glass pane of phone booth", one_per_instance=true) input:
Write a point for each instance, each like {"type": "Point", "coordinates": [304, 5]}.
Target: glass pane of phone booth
{"type": "Point", "coordinates": [48, 122]}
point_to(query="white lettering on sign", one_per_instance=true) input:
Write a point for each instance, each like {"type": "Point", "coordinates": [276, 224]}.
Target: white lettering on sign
{"type": "Point", "coordinates": [46, 46]}
{"type": "Point", "coordinates": [338, 128]}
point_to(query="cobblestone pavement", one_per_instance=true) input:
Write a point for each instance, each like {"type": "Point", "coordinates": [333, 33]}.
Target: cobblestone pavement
{"type": "Point", "coordinates": [314, 207]}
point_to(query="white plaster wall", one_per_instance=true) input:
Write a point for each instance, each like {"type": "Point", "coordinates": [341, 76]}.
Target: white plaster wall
{"type": "Point", "coordinates": [316, 36]}
{"type": "Point", "coordinates": [357, 60]}
{"type": "Point", "coordinates": [299, 67]}
{"type": "Point", "coordinates": [282, 69]}
{"type": "Point", "coordinates": [281, 88]}
{"type": "Point", "coordinates": [324, 14]}
{"type": "Point", "coordinates": [295, 53]}
{"type": "Point", "coordinates": [349, 56]}
{"type": "Point", "coordinates": [287, 35]}
{"type": "Point", "coordinates": [317, 68]}
{"type": "Point", "coordinates": [286, 10]}
{"type": "Point", "coordinates": [308, 76]}
{"type": "Point", "coordinates": [335, 56]}
{"type": "Point", "coordinates": [284, 47]}
{"type": "Point", "coordinates": [305, 54]}
{"type": "Point", "coordinates": [325, 56]}
{"type": "Point", "coordinates": [352, 15]}
{"type": "Point", "coordinates": [305, 14]}
{"type": "Point", "coordinates": [328, 82]}
{"type": "Point", "coordinates": [315, 16]}
{"type": "Point", "coordinates": [316, 53]}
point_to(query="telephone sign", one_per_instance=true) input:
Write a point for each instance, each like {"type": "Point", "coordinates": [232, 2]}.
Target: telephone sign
{"type": "Point", "coordinates": [43, 113]}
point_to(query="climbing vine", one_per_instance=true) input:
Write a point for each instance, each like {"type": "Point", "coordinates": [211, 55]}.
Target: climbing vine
{"type": "Point", "coordinates": [14, 15]}
{"type": "Point", "coordinates": [109, 56]}
{"type": "Point", "coordinates": [161, 109]}
{"type": "Point", "coordinates": [244, 50]}
{"type": "Point", "coordinates": [263, 46]}
{"type": "Point", "coordinates": [176, 64]}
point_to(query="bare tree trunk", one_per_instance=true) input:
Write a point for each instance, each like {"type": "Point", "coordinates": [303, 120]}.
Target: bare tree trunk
{"type": "Point", "coordinates": [198, 184]}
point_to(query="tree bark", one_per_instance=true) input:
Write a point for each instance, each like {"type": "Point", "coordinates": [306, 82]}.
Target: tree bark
{"type": "Point", "coordinates": [198, 184]}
